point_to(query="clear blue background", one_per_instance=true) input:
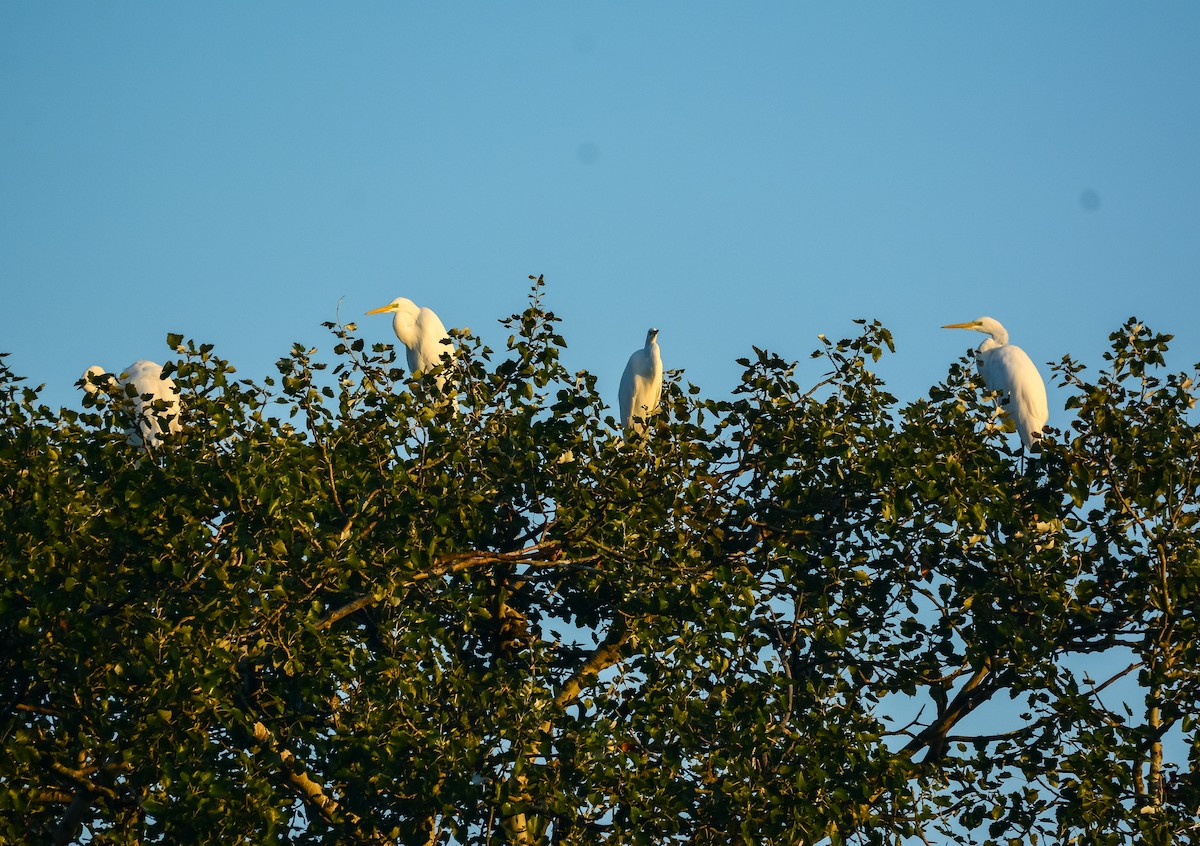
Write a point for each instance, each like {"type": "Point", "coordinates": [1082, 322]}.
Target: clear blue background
{"type": "Point", "coordinates": [733, 174]}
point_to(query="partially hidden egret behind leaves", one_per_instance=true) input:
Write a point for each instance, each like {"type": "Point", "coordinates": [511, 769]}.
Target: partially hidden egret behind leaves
{"type": "Point", "coordinates": [641, 384]}
{"type": "Point", "coordinates": [424, 336]}
{"type": "Point", "coordinates": [141, 385]}
{"type": "Point", "coordinates": [1007, 370]}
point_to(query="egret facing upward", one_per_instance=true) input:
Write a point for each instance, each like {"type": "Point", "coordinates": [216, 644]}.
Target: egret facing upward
{"type": "Point", "coordinates": [422, 333]}
{"type": "Point", "coordinates": [1009, 371]}
{"type": "Point", "coordinates": [641, 384]}
{"type": "Point", "coordinates": [149, 386]}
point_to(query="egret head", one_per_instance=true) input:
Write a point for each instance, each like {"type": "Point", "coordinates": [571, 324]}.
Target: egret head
{"type": "Point", "coordinates": [405, 314]}
{"type": "Point", "coordinates": [93, 379]}
{"type": "Point", "coordinates": [400, 305]}
{"type": "Point", "coordinates": [986, 325]}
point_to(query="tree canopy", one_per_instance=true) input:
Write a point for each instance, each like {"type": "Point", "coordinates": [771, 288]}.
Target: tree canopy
{"type": "Point", "coordinates": [343, 606]}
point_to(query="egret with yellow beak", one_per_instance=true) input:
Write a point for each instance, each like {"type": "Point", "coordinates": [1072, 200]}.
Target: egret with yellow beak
{"type": "Point", "coordinates": [422, 333]}
{"type": "Point", "coordinates": [1007, 370]}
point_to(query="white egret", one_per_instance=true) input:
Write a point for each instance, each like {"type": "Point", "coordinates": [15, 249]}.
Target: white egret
{"type": "Point", "coordinates": [145, 381]}
{"type": "Point", "coordinates": [1007, 370]}
{"type": "Point", "coordinates": [422, 333]}
{"type": "Point", "coordinates": [641, 384]}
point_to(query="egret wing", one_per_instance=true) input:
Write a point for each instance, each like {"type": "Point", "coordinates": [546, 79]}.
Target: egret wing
{"type": "Point", "coordinates": [625, 396]}
{"type": "Point", "coordinates": [1010, 371]}
{"type": "Point", "coordinates": [146, 378]}
{"type": "Point", "coordinates": [431, 333]}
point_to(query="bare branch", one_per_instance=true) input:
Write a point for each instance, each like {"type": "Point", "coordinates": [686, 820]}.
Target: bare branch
{"type": "Point", "coordinates": [976, 691]}
{"type": "Point", "coordinates": [65, 832]}
{"type": "Point", "coordinates": [309, 790]}
{"type": "Point", "coordinates": [538, 555]}
{"type": "Point", "coordinates": [606, 655]}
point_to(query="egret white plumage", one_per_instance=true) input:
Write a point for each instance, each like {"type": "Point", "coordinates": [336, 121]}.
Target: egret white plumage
{"type": "Point", "coordinates": [641, 384]}
{"type": "Point", "coordinates": [1007, 370]}
{"type": "Point", "coordinates": [141, 386]}
{"type": "Point", "coordinates": [424, 336]}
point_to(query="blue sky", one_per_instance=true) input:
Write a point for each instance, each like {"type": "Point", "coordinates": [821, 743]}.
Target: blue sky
{"type": "Point", "coordinates": [733, 174]}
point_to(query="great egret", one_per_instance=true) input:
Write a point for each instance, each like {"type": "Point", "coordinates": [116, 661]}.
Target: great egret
{"type": "Point", "coordinates": [422, 333]}
{"type": "Point", "coordinates": [641, 384]}
{"type": "Point", "coordinates": [1009, 371]}
{"type": "Point", "coordinates": [145, 381]}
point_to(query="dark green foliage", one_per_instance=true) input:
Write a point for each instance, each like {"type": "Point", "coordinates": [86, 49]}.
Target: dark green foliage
{"type": "Point", "coordinates": [343, 607]}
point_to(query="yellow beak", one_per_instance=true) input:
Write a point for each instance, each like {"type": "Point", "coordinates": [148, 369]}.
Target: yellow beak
{"type": "Point", "coordinates": [380, 310]}
{"type": "Point", "coordinates": [959, 326]}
